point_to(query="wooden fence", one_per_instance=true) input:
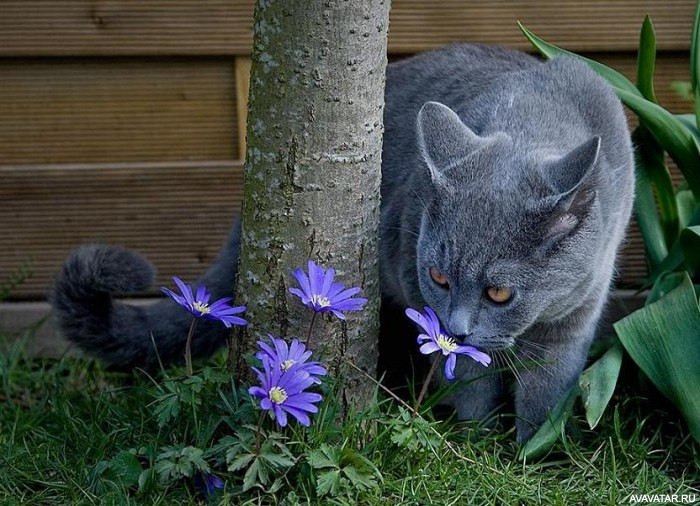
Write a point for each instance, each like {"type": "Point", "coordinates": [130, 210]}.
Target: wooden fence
{"type": "Point", "coordinates": [121, 120]}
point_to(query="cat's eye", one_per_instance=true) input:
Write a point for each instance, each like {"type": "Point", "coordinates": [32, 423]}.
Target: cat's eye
{"type": "Point", "coordinates": [438, 277]}
{"type": "Point", "coordinates": [499, 294]}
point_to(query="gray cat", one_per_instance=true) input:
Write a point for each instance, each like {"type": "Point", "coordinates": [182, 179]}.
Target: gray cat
{"type": "Point", "coordinates": [507, 186]}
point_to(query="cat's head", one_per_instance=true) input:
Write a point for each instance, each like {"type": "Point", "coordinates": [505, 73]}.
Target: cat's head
{"type": "Point", "coordinates": [509, 234]}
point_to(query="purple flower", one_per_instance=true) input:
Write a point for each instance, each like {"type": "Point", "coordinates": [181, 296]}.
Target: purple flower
{"type": "Point", "coordinates": [208, 484]}
{"type": "Point", "coordinates": [282, 392]}
{"type": "Point", "coordinates": [287, 356]}
{"type": "Point", "coordinates": [198, 304]}
{"type": "Point", "coordinates": [436, 339]}
{"type": "Point", "coordinates": [320, 293]}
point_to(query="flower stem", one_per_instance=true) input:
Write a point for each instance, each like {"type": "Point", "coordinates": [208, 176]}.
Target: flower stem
{"type": "Point", "coordinates": [258, 431]}
{"type": "Point", "coordinates": [426, 384]}
{"type": "Point", "coordinates": [311, 329]}
{"type": "Point", "coordinates": [188, 348]}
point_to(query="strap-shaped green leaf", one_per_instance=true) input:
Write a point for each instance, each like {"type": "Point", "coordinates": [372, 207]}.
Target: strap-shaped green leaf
{"type": "Point", "coordinates": [695, 62]}
{"type": "Point", "coordinates": [663, 338]}
{"type": "Point", "coordinates": [598, 383]}
{"type": "Point", "coordinates": [654, 186]}
{"type": "Point", "coordinates": [646, 60]}
{"type": "Point", "coordinates": [690, 243]}
{"type": "Point", "coordinates": [550, 51]}
{"type": "Point", "coordinates": [671, 133]}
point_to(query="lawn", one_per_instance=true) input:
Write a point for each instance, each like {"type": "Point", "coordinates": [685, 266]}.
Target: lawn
{"type": "Point", "coordinates": [72, 432]}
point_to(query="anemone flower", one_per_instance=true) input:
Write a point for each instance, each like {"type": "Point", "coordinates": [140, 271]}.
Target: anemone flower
{"type": "Point", "coordinates": [289, 355]}
{"type": "Point", "coordinates": [208, 484]}
{"type": "Point", "coordinates": [320, 293]}
{"type": "Point", "coordinates": [436, 339]}
{"type": "Point", "coordinates": [198, 304]}
{"type": "Point", "coordinates": [283, 392]}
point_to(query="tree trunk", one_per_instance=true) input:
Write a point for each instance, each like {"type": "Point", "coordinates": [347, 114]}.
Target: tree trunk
{"type": "Point", "coordinates": [312, 176]}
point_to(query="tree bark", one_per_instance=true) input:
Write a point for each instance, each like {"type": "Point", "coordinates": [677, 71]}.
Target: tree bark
{"type": "Point", "coordinates": [312, 176]}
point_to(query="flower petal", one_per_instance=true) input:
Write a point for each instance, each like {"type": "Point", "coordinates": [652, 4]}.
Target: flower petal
{"type": "Point", "coordinates": [185, 289]}
{"type": "Point", "coordinates": [300, 415]}
{"type": "Point", "coordinates": [450, 366]}
{"type": "Point", "coordinates": [429, 347]}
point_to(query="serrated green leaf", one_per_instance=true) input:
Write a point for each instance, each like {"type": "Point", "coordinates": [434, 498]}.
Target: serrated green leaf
{"type": "Point", "coordinates": [360, 480]}
{"type": "Point", "coordinates": [553, 429]}
{"type": "Point", "coordinates": [277, 460]}
{"type": "Point", "coordinates": [126, 468]}
{"type": "Point", "coordinates": [254, 475]}
{"type": "Point", "coordinates": [324, 457]}
{"type": "Point", "coordinates": [147, 480]}
{"type": "Point", "coordinates": [241, 462]}
{"type": "Point", "coordinates": [328, 483]}
{"type": "Point", "coordinates": [598, 384]}
{"type": "Point", "coordinates": [662, 338]}
{"type": "Point", "coordinates": [646, 60]}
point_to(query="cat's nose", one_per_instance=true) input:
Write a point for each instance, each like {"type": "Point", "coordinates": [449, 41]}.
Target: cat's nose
{"type": "Point", "coordinates": [461, 323]}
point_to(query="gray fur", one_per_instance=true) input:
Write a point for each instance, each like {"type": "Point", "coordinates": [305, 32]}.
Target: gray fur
{"type": "Point", "coordinates": [122, 334]}
{"type": "Point", "coordinates": [498, 169]}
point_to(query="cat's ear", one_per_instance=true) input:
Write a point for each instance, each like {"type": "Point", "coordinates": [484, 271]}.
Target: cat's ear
{"type": "Point", "coordinates": [572, 179]}
{"type": "Point", "coordinates": [443, 139]}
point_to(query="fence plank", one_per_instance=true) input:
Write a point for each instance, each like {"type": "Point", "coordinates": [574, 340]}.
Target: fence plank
{"type": "Point", "coordinates": [223, 27]}
{"type": "Point", "coordinates": [178, 214]}
{"type": "Point", "coordinates": [78, 111]}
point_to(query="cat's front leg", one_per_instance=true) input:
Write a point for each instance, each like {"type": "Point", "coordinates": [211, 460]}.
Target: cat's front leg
{"type": "Point", "coordinates": [544, 374]}
{"type": "Point", "coordinates": [478, 392]}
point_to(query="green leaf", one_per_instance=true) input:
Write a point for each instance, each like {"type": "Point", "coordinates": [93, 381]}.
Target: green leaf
{"type": "Point", "coordinates": [646, 59]}
{"type": "Point", "coordinates": [598, 383]}
{"type": "Point", "coordinates": [126, 468]}
{"type": "Point", "coordinates": [553, 429]}
{"type": "Point", "coordinates": [147, 480]}
{"type": "Point", "coordinates": [666, 282]}
{"type": "Point", "coordinates": [324, 457]}
{"type": "Point", "coordinates": [359, 479]}
{"type": "Point", "coordinates": [684, 91]}
{"type": "Point", "coordinates": [671, 133]}
{"type": "Point", "coordinates": [695, 61]}
{"type": "Point", "coordinates": [550, 51]}
{"type": "Point", "coordinates": [328, 483]}
{"type": "Point", "coordinates": [687, 206]}
{"type": "Point", "coordinates": [662, 338]}
{"type": "Point", "coordinates": [645, 208]}
{"type": "Point", "coordinates": [651, 168]}
{"type": "Point", "coordinates": [689, 121]}
{"type": "Point", "coordinates": [690, 244]}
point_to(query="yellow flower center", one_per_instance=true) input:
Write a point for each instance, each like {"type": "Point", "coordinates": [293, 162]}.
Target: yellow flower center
{"type": "Point", "coordinates": [446, 343]}
{"type": "Point", "coordinates": [277, 395]}
{"type": "Point", "coordinates": [319, 300]}
{"type": "Point", "coordinates": [285, 366]}
{"type": "Point", "coordinates": [201, 307]}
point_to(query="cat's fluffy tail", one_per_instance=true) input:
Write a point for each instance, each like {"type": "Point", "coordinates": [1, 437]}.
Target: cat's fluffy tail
{"type": "Point", "coordinates": [125, 335]}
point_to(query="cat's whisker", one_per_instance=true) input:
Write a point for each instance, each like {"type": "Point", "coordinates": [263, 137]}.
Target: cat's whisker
{"type": "Point", "coordinates": [427, 212]}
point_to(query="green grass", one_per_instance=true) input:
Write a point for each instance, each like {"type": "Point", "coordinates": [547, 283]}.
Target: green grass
{"type": "Point", "coordinates": [62, 423]}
